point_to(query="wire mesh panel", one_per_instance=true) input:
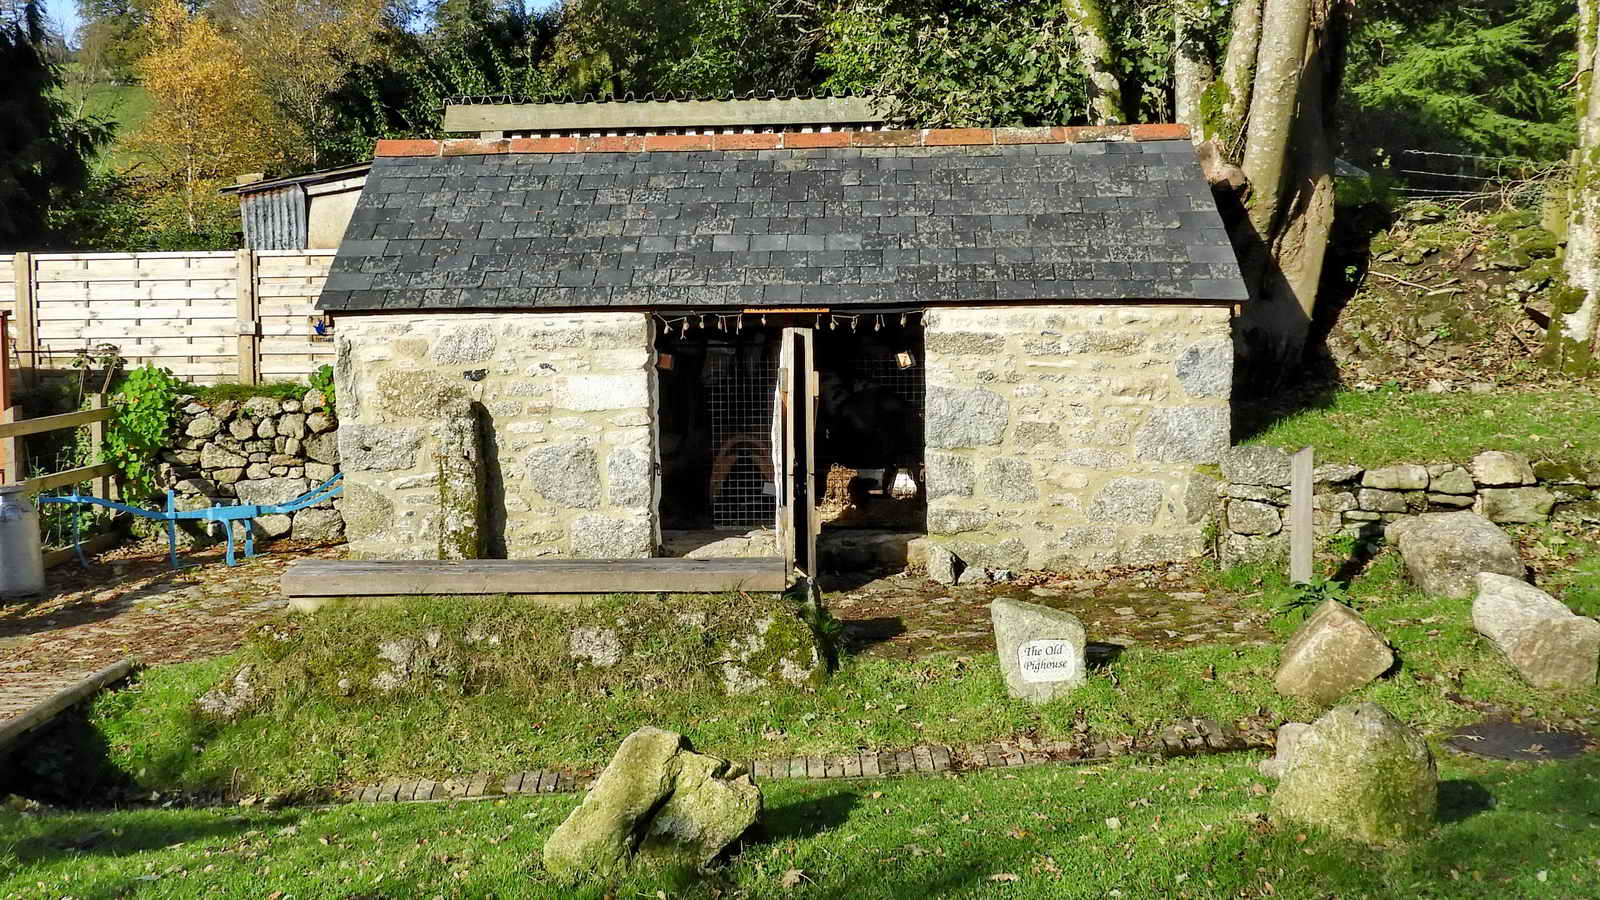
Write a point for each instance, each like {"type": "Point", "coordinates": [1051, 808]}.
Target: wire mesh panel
{"type": "Point", "coordinates": [902, 374]}
{"type": "Point", "coordinates": [741, 380]}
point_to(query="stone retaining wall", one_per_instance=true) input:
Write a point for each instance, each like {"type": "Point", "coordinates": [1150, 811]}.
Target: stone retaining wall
{"type": "Point", "coordinates": [262, 450]}
{"type": "Point", "coordinates": [1502, 487]}
{"type": "Point", "coordinates": [1066, 436]}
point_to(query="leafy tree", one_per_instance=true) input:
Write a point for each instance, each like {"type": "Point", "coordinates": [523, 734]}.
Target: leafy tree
{"type": "Point", "coordinates": [706, 47]}
{"type": "Point", "coordinates": [999, 62]}
{"type": "Point", "coordinates": [1484, 76]}
{"type": "Point", "coordinates": [44, 149]}
{"type": "Point", "coordinates": [209, 121]}
{"type": "Point", "coordinates": [400, 91]}
{"type": "Point", "coordinates": [302, 53]}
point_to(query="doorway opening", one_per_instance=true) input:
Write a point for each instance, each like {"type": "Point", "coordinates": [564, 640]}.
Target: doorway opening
{"type": "Point", "coordinates": [869, 438]}
{"type": "Point", "coordinates": [746, 453]}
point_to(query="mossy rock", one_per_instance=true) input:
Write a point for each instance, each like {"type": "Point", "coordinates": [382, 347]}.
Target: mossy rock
{"type": "Point", "coordinates": [658, 803]}
{"type": "Point", "coordinates": [1362, 775]}
{"type": "Point", "coordinates": [1425, 212]}
{"type": "Point", "coordinates": [1534, 241]}
{"type": "Point", "coordinates": [1513, 219]}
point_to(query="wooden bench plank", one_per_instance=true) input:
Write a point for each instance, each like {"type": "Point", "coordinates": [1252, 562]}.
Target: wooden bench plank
{"type": "Point", "coordinates": [380, 578]}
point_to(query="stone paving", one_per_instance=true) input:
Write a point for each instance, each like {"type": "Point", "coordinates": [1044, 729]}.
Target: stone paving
{"type": "Point", "coordinates": [130, 603]}
{"type": "Point", "coordinates": [906, 615]}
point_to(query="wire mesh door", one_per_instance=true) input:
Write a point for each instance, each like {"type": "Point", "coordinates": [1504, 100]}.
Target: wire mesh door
{"type": "Point", "coordinates": [742, 379]}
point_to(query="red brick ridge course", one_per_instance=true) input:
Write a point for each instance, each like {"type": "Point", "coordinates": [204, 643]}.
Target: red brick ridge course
{"type": "Point", "coordinates": [1198, 737]}
{"type": "Point", "coordinates": [926, 137]}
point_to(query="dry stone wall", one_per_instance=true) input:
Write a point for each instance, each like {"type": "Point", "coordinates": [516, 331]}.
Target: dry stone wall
{"type": "Point", "coordinates": [1064, 436]}
{"type": "Point", "coordinates": [560, 404]}
{"type": "Point", "coordinates": [1505, 488]}
{"type": "Point", "coordinates": [261, 450]}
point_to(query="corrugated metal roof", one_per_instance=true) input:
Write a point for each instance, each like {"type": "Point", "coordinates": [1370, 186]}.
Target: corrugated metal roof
{"type": "Point", "coordinates": [275, 219]}
{"type": "Point", "coordinates": [318, 177]}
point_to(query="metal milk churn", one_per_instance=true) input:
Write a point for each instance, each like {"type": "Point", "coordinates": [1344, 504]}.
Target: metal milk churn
{"type": "Point", "coordinates": [21, 559]}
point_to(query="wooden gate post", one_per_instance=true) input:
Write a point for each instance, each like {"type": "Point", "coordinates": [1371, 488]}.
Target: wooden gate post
{"type": "Point", "coordinates": [249, 320]}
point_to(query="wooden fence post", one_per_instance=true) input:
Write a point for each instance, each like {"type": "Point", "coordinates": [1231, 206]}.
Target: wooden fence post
{"type": "Point", "coordinates": [27, 319]}
{"type": "Point", "coordinates": [8, 448]}
{"type": "Point", "coordinates": [1301, 525]}
{"type": "Point", "coordinates": [97, 445]}
{"type": "Point", "coordinates": [249, 320]}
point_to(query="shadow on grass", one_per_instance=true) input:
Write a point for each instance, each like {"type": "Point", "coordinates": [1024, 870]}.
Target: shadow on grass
{"type": "Point", "coordinates": [810, 817]}
{"type": "Point", "coordinates": [72, 834]}
{"type": "Point", "coordinates": [1460, 799]}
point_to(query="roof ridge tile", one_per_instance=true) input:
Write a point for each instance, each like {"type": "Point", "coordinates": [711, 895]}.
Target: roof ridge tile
{"type": "Point", "coordinates": [790, 140]}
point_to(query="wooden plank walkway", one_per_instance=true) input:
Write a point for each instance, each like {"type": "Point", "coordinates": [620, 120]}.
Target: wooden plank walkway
{"type": "Point", "coordinates": [387, 578]}
{"type": "Point", "coordinates": [25, 708]}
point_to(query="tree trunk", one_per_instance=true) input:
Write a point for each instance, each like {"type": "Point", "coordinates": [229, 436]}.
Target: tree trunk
{"type": "Point", "coordinates": [1575, 318]}
{"type": "Point", "coordinates": [1192, 73]}
{"type": "Point", "coordinates": [1280, 66]}
{"type": "Point", "coordinates": [1282, 236]}
{"type": "Point", "coordinates": [1094, 52]}
{"type": "Point", "coordinates": [1238, 71]}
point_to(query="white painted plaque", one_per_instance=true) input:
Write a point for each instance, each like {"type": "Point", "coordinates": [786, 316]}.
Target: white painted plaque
{"type": "Point", "coordinates": [1051, 659]}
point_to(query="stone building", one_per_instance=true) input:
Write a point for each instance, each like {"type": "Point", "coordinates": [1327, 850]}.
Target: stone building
{"type": "Point", "coordinates": [1014, 341]}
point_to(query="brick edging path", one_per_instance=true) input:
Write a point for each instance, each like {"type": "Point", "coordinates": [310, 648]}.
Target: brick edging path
{"type": "Point", "coordinates": [1196, 737]}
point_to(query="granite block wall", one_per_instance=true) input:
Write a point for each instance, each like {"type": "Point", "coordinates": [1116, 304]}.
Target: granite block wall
{"type": "Point", "coordinates": [563, 410]}
{"type": "Point", "coordinates": [1067, 436]}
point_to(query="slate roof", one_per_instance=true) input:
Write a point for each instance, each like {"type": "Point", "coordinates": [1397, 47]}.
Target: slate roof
{"type": "Point", "coordinates": [879, 219]}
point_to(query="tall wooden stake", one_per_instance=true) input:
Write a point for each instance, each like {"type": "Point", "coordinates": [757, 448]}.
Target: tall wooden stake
{"type": "Point", "coordinates": [1301, 539]}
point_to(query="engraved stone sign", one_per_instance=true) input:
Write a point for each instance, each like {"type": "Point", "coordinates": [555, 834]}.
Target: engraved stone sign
{"type": "Point", "coordinates": [1050, 659]}
{"type": "Point", "coordinates": [1041, 649]}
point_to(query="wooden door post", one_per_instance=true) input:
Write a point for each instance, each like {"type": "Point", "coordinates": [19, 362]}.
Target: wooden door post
{"type": "Point", "coordinates": [249, 320]}
{"type": "Point", "coordinates": [1301, 535]}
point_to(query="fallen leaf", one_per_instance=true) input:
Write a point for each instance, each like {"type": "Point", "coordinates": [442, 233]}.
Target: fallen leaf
{"type": "Point", "coordinates": [1004, 876]}
{"type": "Point", "coordinates": [792, 878]}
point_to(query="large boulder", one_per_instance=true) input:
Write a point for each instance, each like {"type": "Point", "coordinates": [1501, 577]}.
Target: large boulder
{"type": "Point", "coordinates": [1042, 650]}
{"type": "Point", "coordinates": [1333, 653]}
{"type": "Point", "coordinates": [1550, 645]}
{"type": "Point", "coordinates": [1361, 774]}
{"type": "Point", "coordinates": [1443, 551]}
{"type": "Point", "coordinates": [657, 802]}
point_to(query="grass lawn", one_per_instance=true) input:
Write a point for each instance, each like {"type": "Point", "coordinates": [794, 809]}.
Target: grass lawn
{"type": "Point", "coordinates": [128, 105]}
{"type": "Point", "coordinates": [312, 741]}
{"type": "Point", "coordinates": [1192, 828]}
{"type": "Point", "coordinates": [1381, 427]}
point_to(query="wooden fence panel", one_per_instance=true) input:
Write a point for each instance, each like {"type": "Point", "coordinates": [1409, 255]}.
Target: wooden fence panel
{"type": "Point", "coordinates": [178, 310]}
{"type": "Point", "coordinates": [287, 288]}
